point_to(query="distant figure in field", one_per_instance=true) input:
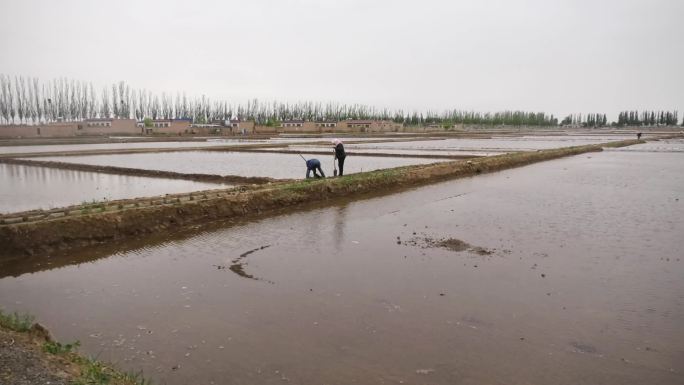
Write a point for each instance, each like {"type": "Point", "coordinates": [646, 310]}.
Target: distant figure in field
{"type": "Point", "coordinates": [638, 135]}
{"type": "Point", "coordinates": [340, 155]}
{"type": "Point", "coordinates": [313, 165]}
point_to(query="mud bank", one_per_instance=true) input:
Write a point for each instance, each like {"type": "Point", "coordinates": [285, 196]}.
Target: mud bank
{"type": "Point", "coordinates": [220, 147]}
{"type": "Point", "coordinates": [22, 236]}
{"type": "Point", "coordinates": [30, 355]}
{"type": "Point", "coordinates": [360, 153]}
{"type": "Point", "coordinates": [227, 179]}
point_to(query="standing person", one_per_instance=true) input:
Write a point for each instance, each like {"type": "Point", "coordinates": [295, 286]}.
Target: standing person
{"type": "Point", "coordinates": [313, 165]}
{"type": "Point", "coordinates": [638, 135]}
{"type": "Point", "coordinates": [339, 154]}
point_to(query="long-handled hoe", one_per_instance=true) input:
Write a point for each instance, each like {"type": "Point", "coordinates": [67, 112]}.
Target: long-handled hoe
{"type": "Point", "coordinates": [334, 166]}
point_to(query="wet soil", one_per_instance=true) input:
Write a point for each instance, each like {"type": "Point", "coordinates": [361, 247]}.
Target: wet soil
{"type": "Point", "coordinates": [451, 244]}
{"type": "Point", "coordinates": [578, 288]}
{"type": "Point", "coordinates": [23, 362]}
{"type": "Point", "coordinates": [238, 264]}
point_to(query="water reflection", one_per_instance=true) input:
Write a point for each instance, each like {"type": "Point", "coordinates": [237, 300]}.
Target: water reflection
{"type": "Point", "coordinates": [280, 166]}
{"type": "Point", "coordinates": [27, 187]}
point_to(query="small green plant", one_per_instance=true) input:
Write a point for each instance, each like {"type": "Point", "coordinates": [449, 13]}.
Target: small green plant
{"type": "Point", "coordinates": [136, 378]}
{"type": "Point", "coordinates": [59, 348]}
{"type": "Point", "coordinates": [16, 322]}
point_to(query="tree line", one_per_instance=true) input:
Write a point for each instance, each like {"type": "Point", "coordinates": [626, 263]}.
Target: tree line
{"type": "Point", "coordinates": [26, 100]}
{"type": "Point", "coordinates": [648, 118]}
{"type": "Point", "coordinates": [587, 120]}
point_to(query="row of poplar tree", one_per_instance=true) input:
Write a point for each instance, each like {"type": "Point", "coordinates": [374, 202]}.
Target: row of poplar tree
{"type": "Point", "coordinates": [25, 100]}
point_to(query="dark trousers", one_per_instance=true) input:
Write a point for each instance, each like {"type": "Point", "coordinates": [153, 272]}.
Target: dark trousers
{"type": "Point", "coordinates": [340, 164]}
{"type": "Point", "coordinates": [308, 172]}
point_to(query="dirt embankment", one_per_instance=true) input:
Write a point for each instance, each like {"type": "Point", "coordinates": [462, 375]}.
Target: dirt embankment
{"type": "Point", "coordinates": [227, 179]}
{"type": "Point", "coordinates": [29, 355]}
{"type": "Point", "coordinates": [82, 228]}
{"type": "Point", "coordinates": [360, 153]}
{"type": "Point", "coordinates": [228, 147]}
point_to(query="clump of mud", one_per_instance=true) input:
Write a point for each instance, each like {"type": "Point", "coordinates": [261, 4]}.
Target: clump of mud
{"type": "Point", "coordinates": [481, 251]}
{"type": "Point", "coordinates": [238, 265]}
{"type": "Point", "coordinates": [451, 244]}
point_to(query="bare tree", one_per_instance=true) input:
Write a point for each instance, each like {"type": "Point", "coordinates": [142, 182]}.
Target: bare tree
{"type": "Point", "coordinates": [37, 100]}
{"type": "Point", "coordinates": [5, 100]}
{"type": "Point", "coordinates": [104, 105]}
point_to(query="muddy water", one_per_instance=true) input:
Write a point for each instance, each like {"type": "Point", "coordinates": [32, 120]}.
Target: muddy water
{"type": "Point", "coordinates": [404, 151]}
{"type": "Point", "coordinates": [238, 163]}
{"type": "Point", "coordinates": [582, 285]}
{"type": "Point", "coordinates": [496, 144]}
{"type": "Point", "coordinates": [112, 146]}
{"type": "Point", "coordinates": [26, 188]}
{"type": "Point", "coordinates": [211, 142]}
{"type": "Point", "coordinates": [660, 146]}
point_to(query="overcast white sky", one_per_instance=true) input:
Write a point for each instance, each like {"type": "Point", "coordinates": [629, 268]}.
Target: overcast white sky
{"type": "Point", "coordinates": [557, 56]}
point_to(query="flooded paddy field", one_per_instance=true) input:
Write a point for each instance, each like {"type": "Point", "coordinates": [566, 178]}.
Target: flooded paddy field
{"type": "Point", "coordinates": [25, 188]}
{"type": "Point", "coordinates": [659, 146]}
{"type": "Point", "coordinates": [495, 145]}
{"type": "Point", "coordinates": [352, 149]}
{"type": "Point", "coordinates": [562, 272]}
{"type": "Point", "coordinates": [151, 144]}
{"type": "Point", "coordinates": [110, 146]}
{"type": "Point", "coordinates": [280, 166]}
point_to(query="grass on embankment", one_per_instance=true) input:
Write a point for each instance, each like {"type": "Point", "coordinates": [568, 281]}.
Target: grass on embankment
{"type": "Point", "coordinates": [57, 357]}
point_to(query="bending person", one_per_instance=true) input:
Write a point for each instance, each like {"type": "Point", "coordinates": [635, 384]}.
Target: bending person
{"type": "Point", "coordinates": [313, 165]}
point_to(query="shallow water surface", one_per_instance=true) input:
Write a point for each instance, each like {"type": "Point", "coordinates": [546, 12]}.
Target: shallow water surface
{"type": "Point", "coordinates": [237, 163]}
{"type": "Point", "coordinates": [25, 188]}
{"type": "Point", "coordinates": [495, 144]}
{"type": "Point", "coordinates": [577, 280]}
{"type": "Point", "coordinates": [113, 146]}
{"type": "Point", "coordinates": [392, 151]}
{"type": "Point", "coordinates": [209, 142]}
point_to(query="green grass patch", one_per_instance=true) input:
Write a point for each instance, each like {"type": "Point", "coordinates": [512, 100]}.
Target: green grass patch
{"type": "Point", "coordinates": [58, 348]}
{"type": "Point", "coordinates": [16, 322]}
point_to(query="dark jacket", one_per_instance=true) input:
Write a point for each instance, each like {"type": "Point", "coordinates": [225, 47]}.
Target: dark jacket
{"type": "Point", "coordinates": [313, 163]}
{"type": "Point", "coordinates": [339, 151]}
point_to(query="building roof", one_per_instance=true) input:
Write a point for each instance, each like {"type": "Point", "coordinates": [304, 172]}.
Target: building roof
{"type": "Point", "coordinates": [172, 120]}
